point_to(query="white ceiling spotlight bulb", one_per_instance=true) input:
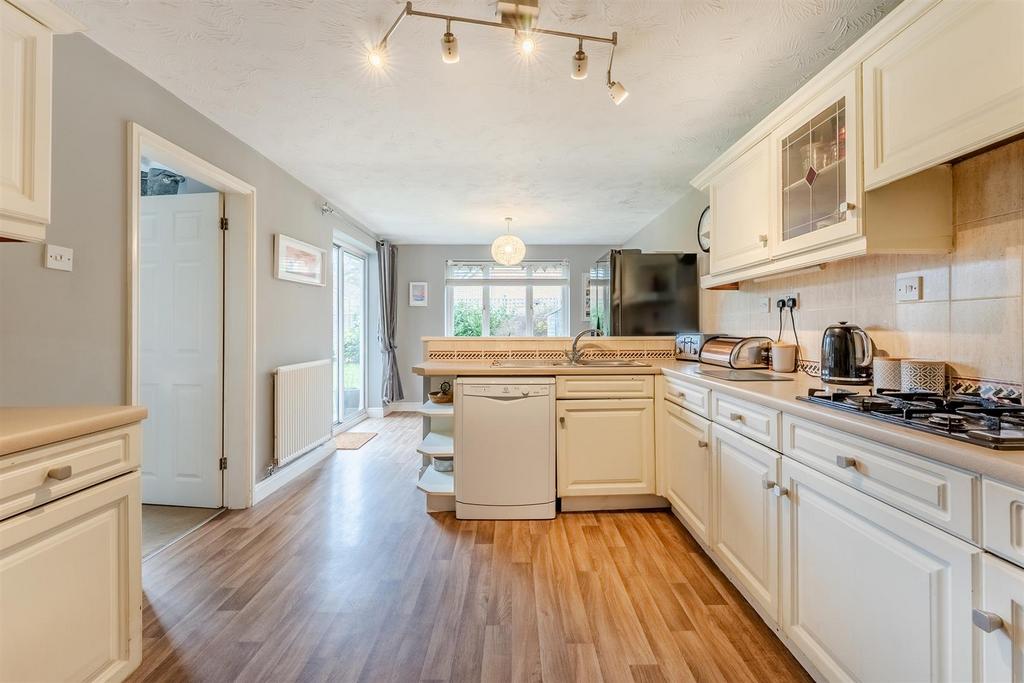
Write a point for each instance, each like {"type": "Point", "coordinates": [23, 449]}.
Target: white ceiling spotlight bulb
{"type": "Point", "coordinates": [526, 43]}
{"type": "Point", "coordinates": [376, 57]}
{"type": "Point", "coordinates": [618, 92]}
{"type": "Point", "coordinates": [508, 250]}
{"type": "Point", "coordinates": [449, 46]}
{"type": "Point", "coordinates": [579, 63]}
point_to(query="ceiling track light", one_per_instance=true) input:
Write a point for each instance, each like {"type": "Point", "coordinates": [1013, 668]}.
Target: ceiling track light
{"type": "Point", "coordinates": [449, 45]}
{"type": "Point", "coordinates": [525, 40]}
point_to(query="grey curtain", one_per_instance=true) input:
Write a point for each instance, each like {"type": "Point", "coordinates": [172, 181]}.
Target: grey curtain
{"type": "Point", "coordinates": [391, 382]}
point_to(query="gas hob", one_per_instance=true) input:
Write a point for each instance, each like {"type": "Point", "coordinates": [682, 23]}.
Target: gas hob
{"type": "Point", "coordinates": [988, 422]}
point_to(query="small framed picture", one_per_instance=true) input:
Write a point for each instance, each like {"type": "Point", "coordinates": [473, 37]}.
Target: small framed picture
{"type": "Point", "coordinates": [298, 261]}
{"type": "Point", "coordinates": [417, 293]}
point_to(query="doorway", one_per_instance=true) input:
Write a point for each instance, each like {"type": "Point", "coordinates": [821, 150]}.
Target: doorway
{"type": "Point", "coordinates": [349, 354]}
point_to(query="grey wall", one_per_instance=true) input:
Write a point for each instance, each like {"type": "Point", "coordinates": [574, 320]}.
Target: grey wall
{"type": "Point", "coordinates": [675, 228]}
{"type": "Point", "coordinates": [425, 263]}
{"type": "Point", "coordinates": [63, 335]}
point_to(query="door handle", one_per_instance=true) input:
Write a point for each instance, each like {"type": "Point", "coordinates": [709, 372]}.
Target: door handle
{"type": "Point", "coordinates": [846, 462]}
{"type": "Point", "coordinates": [986, 621]}
{"type": "Point", "coordinates": [763, 239]}
{"type": "Point", "coordinates": [768, 484]}
{"type": "Point", "coordinates": [682, 395]}
{"type": "Point", "coordinates": [59, 473]}
{"type": "Point", "coordinates": [561, 421]}
{"type": "Point", "coordinates": [780, 491]}
{"type": "Point", "coordinates": [702, 444]}
{"type": "Point", "coordinates": [736, 417]}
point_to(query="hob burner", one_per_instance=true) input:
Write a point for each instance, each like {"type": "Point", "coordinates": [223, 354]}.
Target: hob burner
{"type": "Point", "coordinates": [947, 420]}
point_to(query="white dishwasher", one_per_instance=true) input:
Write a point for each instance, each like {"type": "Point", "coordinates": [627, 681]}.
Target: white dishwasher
{"type": "Point", "coordinates": [505, 448]}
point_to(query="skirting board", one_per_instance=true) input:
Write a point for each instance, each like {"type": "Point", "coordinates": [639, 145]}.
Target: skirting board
{"type": "Point", "coordinates": [291, 472]}
{"type": "Point", "coordinates": [628, 502]}
{"type": "Point", "coordinates": [403, 407]}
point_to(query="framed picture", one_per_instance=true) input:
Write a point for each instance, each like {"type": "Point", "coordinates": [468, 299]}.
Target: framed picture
{"type": "Point", "coordinates": [298, 261]}
{"type": "Point", "coordinates": [417, 293]}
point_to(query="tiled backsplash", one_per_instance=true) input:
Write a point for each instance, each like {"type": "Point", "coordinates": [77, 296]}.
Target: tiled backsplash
{"type": "Point", "coordinates": [971, 310]}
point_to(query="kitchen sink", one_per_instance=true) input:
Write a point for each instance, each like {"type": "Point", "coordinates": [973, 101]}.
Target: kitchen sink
{"type": "Point", "coordinates": [551, 363]}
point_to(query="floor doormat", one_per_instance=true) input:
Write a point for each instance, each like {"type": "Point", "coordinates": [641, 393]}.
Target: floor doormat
{"type": "Point", "coordinates": [353, 441]}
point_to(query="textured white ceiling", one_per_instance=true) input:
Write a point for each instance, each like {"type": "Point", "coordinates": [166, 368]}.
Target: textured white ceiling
{"type": "Point", "coordinates": [439, 153]}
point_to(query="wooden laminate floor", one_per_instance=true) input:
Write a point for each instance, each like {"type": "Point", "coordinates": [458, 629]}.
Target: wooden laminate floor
{"type": "Point", "coordinates": [342, 576]}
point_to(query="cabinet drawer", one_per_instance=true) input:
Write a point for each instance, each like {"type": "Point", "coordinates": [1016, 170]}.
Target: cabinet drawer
{"type": "Point", "coordinates": [753, 421]}
{"type": "Point", "coordinates": [1003, 520]}
{"type": "Point", "coordinates": [30, 478]}
{"type": "Point", "coordinates": [605, 386]}
{"type": "Point", "coordinates": [938, 494]}
{"type": "Point", "coordinates": [693, 397]}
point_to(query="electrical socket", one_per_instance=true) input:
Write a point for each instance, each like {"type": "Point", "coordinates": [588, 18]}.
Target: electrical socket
{"type": "Point", "coordinates": [58, 258]}
{"type": "Point", "coordinates": [794, 295]}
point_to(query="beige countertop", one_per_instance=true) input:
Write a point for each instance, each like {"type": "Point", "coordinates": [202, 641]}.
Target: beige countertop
{"type": "Point", "coordinates": [1006, 466]}
{"type": "Point", "coordinates": [30, 427]}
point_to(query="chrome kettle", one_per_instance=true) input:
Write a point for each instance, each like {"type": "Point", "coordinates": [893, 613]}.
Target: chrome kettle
{"type": "Point", "coordinates": [846, 353]}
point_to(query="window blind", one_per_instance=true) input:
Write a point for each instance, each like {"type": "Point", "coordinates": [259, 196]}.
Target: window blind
{"type": "Point", "coordinates": [553, 272]}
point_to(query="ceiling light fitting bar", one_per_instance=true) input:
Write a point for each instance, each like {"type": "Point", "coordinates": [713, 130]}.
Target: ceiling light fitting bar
{"type": "Point", "coordinates": [409, 11]}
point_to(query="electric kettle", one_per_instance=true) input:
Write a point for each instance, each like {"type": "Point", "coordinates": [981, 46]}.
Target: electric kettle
{"type": "Point", "coordinates": [846, 353]}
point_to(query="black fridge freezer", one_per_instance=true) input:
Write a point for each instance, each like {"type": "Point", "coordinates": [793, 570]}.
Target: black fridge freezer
{"type": "Point", "coordinates": [637, 294]}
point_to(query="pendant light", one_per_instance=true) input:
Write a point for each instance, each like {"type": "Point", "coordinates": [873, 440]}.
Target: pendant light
{"type": "Point", "coordinates": [508, 250]}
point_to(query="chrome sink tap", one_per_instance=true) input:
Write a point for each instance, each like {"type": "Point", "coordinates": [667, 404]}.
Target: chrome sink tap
{"type": "Point", "coordinates": [575, 355]}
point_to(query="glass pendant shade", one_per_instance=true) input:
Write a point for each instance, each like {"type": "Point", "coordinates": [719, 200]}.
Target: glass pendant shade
{"type": "Point", "coordinates": [508, 250]}
{"type": "Point", "coordinates": [449, 48]}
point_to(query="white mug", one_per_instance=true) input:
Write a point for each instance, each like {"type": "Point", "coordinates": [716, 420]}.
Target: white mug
{"type": "Point", "coordinates": [783, 357]}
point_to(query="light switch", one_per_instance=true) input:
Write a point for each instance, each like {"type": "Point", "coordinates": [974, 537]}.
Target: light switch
{"type": "Point", "coordinates": [59, 258]}
{"type": "Point", "coordinates": [909, 288]}
{"type": "Point", "coordinates": [764, 304]}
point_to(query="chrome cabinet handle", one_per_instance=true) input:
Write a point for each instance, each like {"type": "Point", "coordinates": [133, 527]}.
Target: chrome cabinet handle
{"type": "Point", "coordinates": [736, 417]}
{"type": "Point", "coordinates": [780, 491]}
{"type": "Point", "coordinates": [702, 444]}
{"type": "Point", "coordinates": [768, 484]}
{"type": "Point", "coordinates": [682, 395]}
{"type": "Point", "coordinates": [986, 621]}
{"type": "Point", "coordinates": [763, 239]}
{"type": "Point", "coordinates": [59, 473]}
{"type": "Point", "coordinates": [847, 206]}
{"type": "Point", "coordinates": [846, 462]}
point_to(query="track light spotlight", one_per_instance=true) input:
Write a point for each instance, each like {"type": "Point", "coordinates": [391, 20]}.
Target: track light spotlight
{"type": "Point", "coordinates": [579, 63]}
{"type": "Point", "coordinates": [526, 42]}
{"type": "Point", "coordinates": [618, 92]}
{"type": "Point", "coordinates": [449, 46]}
{"type": "Point", "coordinates": [376, 56]}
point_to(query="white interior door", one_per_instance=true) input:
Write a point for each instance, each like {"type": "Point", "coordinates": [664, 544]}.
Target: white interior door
{"type": "Point", "coordinates": [180, 333]}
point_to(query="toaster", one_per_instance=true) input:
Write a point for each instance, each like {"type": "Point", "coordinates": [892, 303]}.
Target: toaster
{"type": "Point", "coordinates": [688, 345]}
{"type": "Point", "coordinates": [739, 353]}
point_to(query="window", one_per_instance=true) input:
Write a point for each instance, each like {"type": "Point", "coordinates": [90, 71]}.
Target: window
{"type": "Point", "coordinates": [349, 334]}
{"type": "Point", "coordinates": [484, 299]}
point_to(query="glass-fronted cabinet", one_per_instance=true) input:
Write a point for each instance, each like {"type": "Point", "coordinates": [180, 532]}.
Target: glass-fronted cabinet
{"type": "Point", "coordinates": [817, 171]}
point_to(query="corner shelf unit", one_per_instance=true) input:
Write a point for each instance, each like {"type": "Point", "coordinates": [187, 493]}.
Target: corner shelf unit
{"type": "Point", "coordinates": [438, 442]}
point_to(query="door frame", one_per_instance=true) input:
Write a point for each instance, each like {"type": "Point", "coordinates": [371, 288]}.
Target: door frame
{"type": "Point", "coordinates": [356, 248]}
{"type": "Point", "coordinates": [239, 310]}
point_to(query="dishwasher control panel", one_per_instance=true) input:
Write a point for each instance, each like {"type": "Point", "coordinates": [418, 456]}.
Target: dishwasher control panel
{"type": "Point", "coordinates": [506, 390]}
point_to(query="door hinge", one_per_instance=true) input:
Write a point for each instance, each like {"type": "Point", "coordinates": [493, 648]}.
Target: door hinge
{"type": "Point", "coordinates": [224, 223]}
{"type": "Point", "coordinates": [224, 463]}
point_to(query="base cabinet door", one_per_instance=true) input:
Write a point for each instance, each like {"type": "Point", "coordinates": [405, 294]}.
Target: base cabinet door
{"type": "Point", "coordinates": [951, 83]}
{"type": "Point", "coordinates": [869, 592]}
{"type": "Point", "coordinates": [999, 622]}
{"type": "Point", "coordinates": [70, 586]}
{"type": "Point", "coordinates": [686, 439]}
{"type": "Point", "coordinates": [605, 447]}
{"type": "Point", "coordinates": [744, 516]}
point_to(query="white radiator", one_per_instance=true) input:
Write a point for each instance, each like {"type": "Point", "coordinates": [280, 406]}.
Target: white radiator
{"type": "Point", "coordinates": [302, 408]}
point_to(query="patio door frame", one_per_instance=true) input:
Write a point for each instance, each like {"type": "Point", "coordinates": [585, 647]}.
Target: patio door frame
{"type": "Point", "coordinates": [342, 246]}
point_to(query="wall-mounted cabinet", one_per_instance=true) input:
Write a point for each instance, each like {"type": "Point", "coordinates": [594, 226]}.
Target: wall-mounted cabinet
{"type": "Point", "coordinates": [951, 83]}
{"type": "Point", "coordinates": [26, 80]}
{"type": "Point", "coordinates": [851, 163]}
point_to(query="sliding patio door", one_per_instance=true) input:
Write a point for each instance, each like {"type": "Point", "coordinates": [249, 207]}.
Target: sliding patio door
{"type": "Point", "coordinates": [349, 335]}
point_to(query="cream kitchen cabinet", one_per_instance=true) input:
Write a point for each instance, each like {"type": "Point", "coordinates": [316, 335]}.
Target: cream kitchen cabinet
{"type": "Point", "coordinates": [70, 581]}
{"type": "Point", "coordinates": [817, 167]}
{"type": "Point", "coordinates": [951, 83]}
{"type": "Point", "coordinates": [744, 514]}
{"type": "Point", "coordinates": [605, 446]}
{"type": "Point", "coordinates": [742, 217]}
{"type": "Point", "coordinates": [998, 617]}
{"type": "Point", "coordinates": [869, 592]}
{"type": "Point", "coordinates": [686, 463]}
{"type": "Point", "coordinates": [26, 66]}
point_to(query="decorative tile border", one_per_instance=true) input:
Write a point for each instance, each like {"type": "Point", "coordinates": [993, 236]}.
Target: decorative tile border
{"type": "Point", "coordinates": [811, 367]}
{"type": "Point", "coordinates": [986, 387]}
{"type": "Point", "coordinates": [547, 348]}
